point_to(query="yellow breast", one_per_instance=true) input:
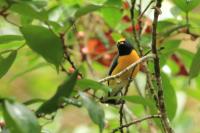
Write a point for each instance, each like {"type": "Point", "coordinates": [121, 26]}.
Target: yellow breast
{"type": "Point", "coordinates": [125, 61]}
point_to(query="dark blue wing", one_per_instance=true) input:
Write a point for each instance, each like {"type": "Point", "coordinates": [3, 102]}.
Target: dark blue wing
{"type": "Point", "coordinates": [114, 64]}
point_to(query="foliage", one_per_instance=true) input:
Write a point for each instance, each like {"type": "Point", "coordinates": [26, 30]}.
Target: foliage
{"type": "Point", "coordinates": [45, 42]}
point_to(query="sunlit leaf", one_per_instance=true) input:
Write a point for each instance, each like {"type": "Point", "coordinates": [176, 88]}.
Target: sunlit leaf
{"type": "Point", "coordinates": [95, 111]}
{"type": "Point", "coordinates": [19, 119]}
{"type": "Point", "coordinates": [195, 66]}
{"type": "Point", "coordinates": [186, 5]}
{"type": "Point", "coordinates": [116, 36]}
{"type": "Point", "coordinates": [6, 63]}
{"type": "Point", "coordinates": [64, 90]}
{"type": "Point", "coordinates": [169, 97]}
{"type": "Point", "coordinates": [111, 12]}
{"type": "Point", "coordinates": [111, 16]}
{"type": "Point", "coordinates": [44, 42]}
{"type": "Point", "coordinates": [88, 83]}
{"type": "Point", "coordinates": [4, 39]}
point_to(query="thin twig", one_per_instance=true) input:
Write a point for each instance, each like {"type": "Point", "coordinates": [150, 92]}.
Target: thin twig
{"type": "Point", "coordinates": [126, 122]}
{"type": "Point", "coordinates": [136, 121]}
{"type": "Point", "coordinates": [145, 58]}
{"type": "Point", "coordinates": [133, 25]}
{"type": "Point", "coordinates": [164, 118]}
{"type": "Point", "coordinates": [139, 20]}
{"type": "Point", "coordinates": [66, 53]}
{"type": "Point", "coordinates": [187, 22]}
{"type": "Point", "coordinates": [121, 115]}
{"type": "Point", "coordinates": [147, 7]}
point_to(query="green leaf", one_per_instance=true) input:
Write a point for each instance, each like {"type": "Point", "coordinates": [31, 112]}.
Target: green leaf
{"type": "Point", "coordinates": [88, 83]}
{"type": "Point", "coordinates": [186, 5]}
{"type": "Point", "coordinates": [116, 36]}
{"type": "Point", "coordinates": [64, 90]}
{"type": "Point", "coordinates": [195, 66]}
{"type": "Point", "coordinates": [170, 46]}
{"type": "Point", "coordinates": [137, 100]}
{"type": "Point", "coordinates": [19, 119]}
{"type": "Point", "coordinates": [26, 9]}
{"type": "Point", "coordinates": [113, 3]}
{"type": "Point", "coordinates": [165, 23]}
{"type": "Point", "coordinates": [111, 12]}
{"type": "Point", "coordinates": [169, 97]}
{"type": "Point", "coordinates": [112, 16]}
{"type": "Point", "coordinates": [6, 63]}
{"type": "Point", "coordinates": [10, 38]}
{"type": "Point", "coordinates": [44, 42]}
{"type": "Point", "coordinates": [95, 111]}
{"type": "Point", "coordinates": [186, 56]}
{"type": "Point", "coordinates": [87, 9]}
{"type": "Point", "coordinates": [173, 29]}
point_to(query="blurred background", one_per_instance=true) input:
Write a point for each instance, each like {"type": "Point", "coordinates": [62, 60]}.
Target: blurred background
{"type": "Point", "coordinates": [91, 42]}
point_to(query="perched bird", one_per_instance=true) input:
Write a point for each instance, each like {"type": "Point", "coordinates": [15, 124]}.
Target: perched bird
{"type": "Point", "coordinates": [125, 57]}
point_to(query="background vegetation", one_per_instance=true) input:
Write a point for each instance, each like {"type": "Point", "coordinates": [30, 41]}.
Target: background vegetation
{"type": "Point", "coordinates": [53, 53]}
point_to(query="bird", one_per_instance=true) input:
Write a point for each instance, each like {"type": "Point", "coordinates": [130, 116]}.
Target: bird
{"type": "Point", "coordinates": [125, 57]}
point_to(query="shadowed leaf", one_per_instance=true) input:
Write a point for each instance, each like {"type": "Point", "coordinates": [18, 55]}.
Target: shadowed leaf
{"type": "Point", "coordinates": [6, 63]}
{"type": "Point", "coordinates": [64, 90]}
{"type": "Point", "coordinates": [44, 42]}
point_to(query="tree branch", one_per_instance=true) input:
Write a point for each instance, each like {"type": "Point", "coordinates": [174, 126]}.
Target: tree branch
{"type": "Point", "coordinates": [164, 118]}
{"type": "Point", "coordinates": [136, 121]}
{"type": "Point", "coordinates": [145, 58]}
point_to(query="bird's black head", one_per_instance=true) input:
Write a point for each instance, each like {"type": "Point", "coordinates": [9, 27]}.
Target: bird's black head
{"type": "Point", "coordinates": [124, 47]}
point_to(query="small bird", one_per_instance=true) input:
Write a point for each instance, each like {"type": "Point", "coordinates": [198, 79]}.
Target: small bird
{"type": "Point", "coordinates": [125, 57]}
